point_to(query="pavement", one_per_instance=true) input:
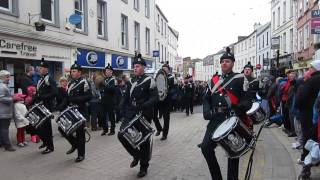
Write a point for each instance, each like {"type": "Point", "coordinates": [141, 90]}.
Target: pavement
{"type": "Point", "coordinates": [177, 158]}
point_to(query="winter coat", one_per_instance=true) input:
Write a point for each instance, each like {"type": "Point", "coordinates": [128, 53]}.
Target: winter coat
{"type": "Point", "coordinates": [6, 102]}
{"type": "Point", "coordinates": [20, 111]}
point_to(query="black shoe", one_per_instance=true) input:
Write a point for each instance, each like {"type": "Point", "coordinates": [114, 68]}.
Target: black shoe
{"type": "Point", "coordinates": [163, 138]}
{"type": "Point", "coordinates": [134, 162]}
{"type": "Point", "coordinates": [79, 159]}
{"type": "Point", "coordinates": [10, 149]}
{"type": "Point", "coordinates": [42, 146]}
{"type": "Point", "coordinates": [104, 133]}
{"type": "Point", "coordinates": [158, 133]}
{"type": "Point", "coordinates": [71, 150]}
{"type": "Point", "coordinates": [47, 151]}
{"type": "Point", "coordinates": [292, 134]}
{"type": "Point", "coordinates": [142, 173]}
{"type": "Point", "coordinates": [111, 133]}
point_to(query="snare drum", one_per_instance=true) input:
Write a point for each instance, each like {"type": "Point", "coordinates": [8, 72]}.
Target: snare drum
{"type": "Point", "coordinates": [38, 114]}
{"type": "Point", "coordinates": [70, 120]}
{"type": "Point", "coordinates": [234, 137]}
{"type": "Point", "coordinates": [256, 113]}
{"type": "Point", "coordinates": [137, 131]}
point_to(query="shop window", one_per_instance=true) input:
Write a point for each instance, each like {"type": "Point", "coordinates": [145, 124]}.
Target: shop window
{"type": "Point", "coordinates": [9, 7]}
{"type": "Point", "coordinates": [50, 11]}
{"type": "Point", "coordinates": [136, 36]}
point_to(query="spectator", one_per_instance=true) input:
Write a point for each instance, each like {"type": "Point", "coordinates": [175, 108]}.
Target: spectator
{"type": "Point", "coordinates": [21, 122]}
{"type": "Point", "coordinates": [6, 110]}
{"type": "Point", "coordinates": [26, 80]}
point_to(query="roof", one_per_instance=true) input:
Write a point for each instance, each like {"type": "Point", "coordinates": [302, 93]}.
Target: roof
{"type": "Point", "coordinates": [158, 8]}
{"type": "Point", "coordinates": [174, 32]}
{"type": "Point", "coordinates": [263, 28]}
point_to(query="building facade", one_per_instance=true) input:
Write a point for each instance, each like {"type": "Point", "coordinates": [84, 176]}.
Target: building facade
{"type": "Point", "coordinates": [173, 49]}
{"type": "Point", "coordinates": [282, 12]}
{"type": "Point", "coordinates": [263, 47]}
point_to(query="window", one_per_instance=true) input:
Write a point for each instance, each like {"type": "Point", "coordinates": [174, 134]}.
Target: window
{"type": "Point", "coordinates": [165, 30]}
{"type": "Point", "coordinates": [291, 8]}
{"type": "Point", "coordinates": [9, 7]}
{"type": "Point", "coordinates": [136, 36]}
{"type": "Point", "coordinates": [6, 5]}
{"type": "Point", "coordinates": [300, 40]}
{"type": "Point", "coordinates": [78, 9]}
{"type": "Point", "coordinates": [300, 8]}
{"type": "Point", "coordinates": [273, 20]}
{"type": "Point", "coordinates": [165, 54]}
{"type": "Point", "coordinates": [158, 23]}
{"type": "Point", "coordinates": [101, 18]}
{"type": "Point", "coordinates": [284, 11]}
{"type": "Point", "coordinates": [306, 5]}
{"type": "Point", "coordinates": [161, 52]}
{"type": "Point", "coordinates": [267, 38]}
{"type": "Point", "coordinates": [259, 43]}
{"type": "Point", "coordinates": [306, 37]}
{"type": "Point", "coordinates": [136, 4]}
{"type": "Point", "coordinates": [262, 41]}
{"type": "Point", "coordinates": [278, 17]}
{"type": "Point", "coordinates": [147, 8]}
{"type": "Point", "coordinates": [47, 10]}
{"type": "Point", "coordinates": [124, 31]}
{"type": "Point", "coordinates": [147, 41]}
{"type": "Point", "coordinates": [161, 26]}
{"type": "Point", "coordinates": [291, 40]}
{"type": "Point", "coordinates": [284, 42]}
{"type": "Point", "coordinates": [253, 41]}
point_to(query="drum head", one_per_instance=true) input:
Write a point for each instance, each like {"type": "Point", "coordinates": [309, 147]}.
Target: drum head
{"type": "Point", "coordinates": [255, 106]}
{"type": "Point", "coordinates": [161, 82]}
{"type": "Point", "coordinates": [225, 127]}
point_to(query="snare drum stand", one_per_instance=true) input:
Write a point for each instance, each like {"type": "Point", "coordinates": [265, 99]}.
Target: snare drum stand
{"type": "Point", "coordinates": [249, 167]}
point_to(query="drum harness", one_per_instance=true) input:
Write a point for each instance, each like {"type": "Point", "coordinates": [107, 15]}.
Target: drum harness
{"type": "Point", "coordinates": [230, 101]}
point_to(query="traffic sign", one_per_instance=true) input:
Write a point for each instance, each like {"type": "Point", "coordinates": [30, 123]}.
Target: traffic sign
{"type": "Point", "coordinates": [156, 53]}
{"type": "Point", "coordinates": [258, 66]}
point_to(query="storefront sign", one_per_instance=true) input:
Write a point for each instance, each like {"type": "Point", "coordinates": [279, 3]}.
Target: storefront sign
{"type": "Point", "coordinates": [275, 43]}
{"type": "Point", "coordinates": [14, 48]}
{"type": "Point", "coordinates": [91, 59]}
{"type": "Point", "coordinates": [315, 22]}
{"type": "Point", "coordinates": [119, 62]}
{"type": "Point", "coordinates": [149, 64]}
{"type": "Point", "coordinates": [17, 48]}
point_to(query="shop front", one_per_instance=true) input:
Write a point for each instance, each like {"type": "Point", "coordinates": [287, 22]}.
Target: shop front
{"type": "Point", "coordinates": [93, 62]}
{"type": "Point", "coordinates": [17, 54]}
{"type": "Point", "coordinates": [301, 67]}
{"type": "Point", "coordinates": [121, 65]}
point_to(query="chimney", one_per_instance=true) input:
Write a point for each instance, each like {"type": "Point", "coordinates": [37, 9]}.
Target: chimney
{"type": "Point", "coordinates": [256, 26]}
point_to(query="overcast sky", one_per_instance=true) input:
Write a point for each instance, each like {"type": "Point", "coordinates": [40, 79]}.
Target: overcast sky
{"type": "Point", "coordinates": [205, 26]}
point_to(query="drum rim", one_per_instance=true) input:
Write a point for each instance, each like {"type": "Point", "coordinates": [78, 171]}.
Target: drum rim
{"type": "Point", "coordinates": [227, 132]}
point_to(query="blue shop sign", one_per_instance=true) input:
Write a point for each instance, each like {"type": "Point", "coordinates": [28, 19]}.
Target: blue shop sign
{"type": "Point", "coordinates": [91, 59]}
{"type": "Point", "coordinates": [119, 62]}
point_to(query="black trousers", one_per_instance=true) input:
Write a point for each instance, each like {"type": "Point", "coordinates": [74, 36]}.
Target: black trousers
{"type": "Point", "coordinates": [96, 113]}
{"type": "Point", "coordinates": [286, 118]}
{"type": "Point", "coordinates": [109, 116]}
{"type": "Point", "coordinates": [78, 141]}
{"type": "Point", "coordinates": [165, 111]}
{"type": "Point", "coordinates": [4, 132]}
{"type": "Point", "coordinates": [189, 105]}
{"type": "Point", "coordinates": [45, 134]}
{"type": "Point", "coordinates": [156, 119]}
{"type": "Point", "coordinates": [208, 151]}
{"type": "Point", "coordinates": [143, 153]}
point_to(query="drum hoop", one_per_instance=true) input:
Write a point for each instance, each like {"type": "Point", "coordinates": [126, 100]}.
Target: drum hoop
{"type": "Point", "coordinates": [135, 146]}
{"type": "Point", "coordinates": [227, 132]}
{"type": "Point", "coordinates": [42, 120]}
{"type": "Point", "coordinates": [32, 108]}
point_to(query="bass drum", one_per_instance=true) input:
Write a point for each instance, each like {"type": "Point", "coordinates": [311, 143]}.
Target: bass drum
{"type": "Point", "coordinates": [162, 84]}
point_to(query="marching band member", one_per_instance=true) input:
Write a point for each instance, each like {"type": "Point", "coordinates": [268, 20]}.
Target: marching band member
{"type": "Point", "coordinates": [218, 104]}
{"type": "Point", "coordinates": [46, 92]}
{"type": "Point", "coordinates": [141, 96]}
{"type": "Point", "coordinates": [78, 94]}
